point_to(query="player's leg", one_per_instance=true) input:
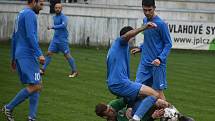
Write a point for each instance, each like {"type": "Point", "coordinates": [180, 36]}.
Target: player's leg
{"type": "Point", "coordinates": [53, 48]}
{"type": "Point", "coordinates": [147, 102]}
{"type": "Point", "coordinates": [34, 88]}
{"type": "Point", "coordinates": [146, 90]}
{"type": "Point", "coordinates": [47, 61]}
{"type": "Point", "coordinates": [72, 64]}
{"type": "Point", "coordinates": [143, 75]}
{"type": "Point", "coordinates": [26, 70]}
{"type": "Point", "coordinates": [19, 98]}
{"type": "Point", "coordinates": [143, 107]}
{"type": "Point", "coordinates": [66, 51]}
{"type": "Point", "coordinates": [33, 101]}
{"type": "Point", "coordinates": [33, 79]}
{"type": "Point", "coordinates": [159, 80]}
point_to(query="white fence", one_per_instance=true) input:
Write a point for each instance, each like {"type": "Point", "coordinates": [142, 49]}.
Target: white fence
{"type": "Point", "coordinates": [101, 22]}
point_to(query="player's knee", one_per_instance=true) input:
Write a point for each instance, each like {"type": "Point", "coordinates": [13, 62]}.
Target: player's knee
{"type": "Point", "coordinates": [34, 88]}
{"type": "Point", "coordinates": [146, 90]}
{"type": "Point", "coordinates": [39, 88]}
{"type": "Point", "coordinates": [67, 56]}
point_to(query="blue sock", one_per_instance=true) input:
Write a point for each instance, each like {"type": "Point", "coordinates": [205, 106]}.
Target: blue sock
{"type": "Point", "coordinates": [33, 101]}
{"type": "Point", "coordinates": [144, 106]}
{"type": "Point", "coordinates": [19, 98]}
{"type": "Point", "coordinates": [71, 62]}
{"type": "Point", "coordinates": [47, 61]}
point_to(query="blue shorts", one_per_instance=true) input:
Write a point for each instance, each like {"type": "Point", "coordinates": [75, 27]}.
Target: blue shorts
{"type": "Point", "coordinates": [62, 47]}
{"type": "Point", "coordinates": [128, 89]}
{"type": "Point", "coordinates": [28, 70]}
{"type": "Point", "coordinates": [153, 76]}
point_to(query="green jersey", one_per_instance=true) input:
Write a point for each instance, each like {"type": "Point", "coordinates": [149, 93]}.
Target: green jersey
{"type": "Point", "coordinates": [120, 106]}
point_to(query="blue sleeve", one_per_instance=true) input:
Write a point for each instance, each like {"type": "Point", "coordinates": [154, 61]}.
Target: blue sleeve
{"type": "Point", "coordinates": [31, 31]}
{"type": "Point", "coordinates": [63, 24]}
{"type": "Point", "coordinates": [165, 36]}
{"type": "Point", "coordinates": [141, 47]}
{"type": "Point", "coordinates": [122, 41]}
{"type": "Point", "coordinates": [13, 46]}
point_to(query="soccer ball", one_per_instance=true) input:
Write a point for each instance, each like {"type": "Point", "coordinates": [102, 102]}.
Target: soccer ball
{"type": "Point", "coordinates": [171, 114]}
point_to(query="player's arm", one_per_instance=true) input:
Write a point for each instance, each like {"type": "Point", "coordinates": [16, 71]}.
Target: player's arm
{"type": "Point", "coordinates": [13, 48]}
{"type": "Point", "coordinates": [137, 49]}
{"type": "Point", "coordinates": [127, 36]}
{"type": "Point", "coordinates": [30, 20]}
{"type": "Point", "coordinates": [165, 35]}
{"type": "Point", "coordinates": [62, 25]}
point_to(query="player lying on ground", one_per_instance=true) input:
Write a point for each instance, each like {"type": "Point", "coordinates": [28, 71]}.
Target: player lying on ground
{"type": "Point", "coordinates": [118, 110]}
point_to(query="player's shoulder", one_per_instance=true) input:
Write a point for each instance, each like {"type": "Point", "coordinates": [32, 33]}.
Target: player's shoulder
{"type": "Point", "coordinates": [159, 20]}
{"type": "Point", "coordinates": [29, 12]}
{"type": "Point", "coordinates": [63, 15]}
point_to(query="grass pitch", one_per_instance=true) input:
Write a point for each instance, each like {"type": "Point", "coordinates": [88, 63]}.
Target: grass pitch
{"type": "Point", "coordinates": [191, 85]}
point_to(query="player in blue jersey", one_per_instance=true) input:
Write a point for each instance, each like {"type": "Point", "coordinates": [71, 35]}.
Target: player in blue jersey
{"type": "Point", "coordinates": [26, 55]}
{"type": "Point", "coordinates": [118, 59]}
{"type": "Point", "coordinates": [154, 51]}
{"type": "Point", "coordinates": [60, 41]}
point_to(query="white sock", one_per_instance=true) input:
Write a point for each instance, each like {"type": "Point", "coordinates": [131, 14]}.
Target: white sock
{"type": "Point", "coordinates": [136, 118]}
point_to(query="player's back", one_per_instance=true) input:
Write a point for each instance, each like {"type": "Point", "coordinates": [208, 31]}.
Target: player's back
{"type": "Point", "coordinates": [118, 62]}
{"type": "Point", "coordinates": [25, 29]}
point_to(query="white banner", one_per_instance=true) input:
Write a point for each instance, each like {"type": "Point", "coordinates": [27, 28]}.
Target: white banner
{"type": "Point", "coordinates": [189, 35]}
{"type": "Point", "coordinates": [192, 35]}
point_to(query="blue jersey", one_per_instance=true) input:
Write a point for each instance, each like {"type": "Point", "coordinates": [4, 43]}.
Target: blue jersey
{"type": "Point", "coordinates": [60, 27]}
{"type": "Point", "coordinates": [118, 59]}
{"type": "Point", "coordinates": [157, 42]}
{"type": "Point", "coordinates": [25, 40]}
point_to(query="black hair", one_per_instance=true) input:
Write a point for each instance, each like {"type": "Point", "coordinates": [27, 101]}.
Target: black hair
{"type": "Point", "coordinates": [125, 30]}
{"type": "Point", "coordinates": [30, 1]}
{"type": "Point", "coordinates": [148, 3]}
{"type": "Point", "coordinates": [100, 109]}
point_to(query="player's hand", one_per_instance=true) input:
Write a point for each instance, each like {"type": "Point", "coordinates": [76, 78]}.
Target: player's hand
{"type": "Point", "coordinates": [13, 65]}
{"type": "Point", "coordinates": [150, 25]}
{"type": "Point", "coordinates": [42, 60]}
{"type": "Point", "coordinates": [49, 27]}
{"type": "Point", "coordinates": [156, 62]}
{"type": "Point", "coordinates": [158, 114]}
{"type": "Point", "coordinates": [162, 103]}
{"type": "Point", "coordinates": [129, 113]}
{"type": "Point", "coordinates": [135, 50]}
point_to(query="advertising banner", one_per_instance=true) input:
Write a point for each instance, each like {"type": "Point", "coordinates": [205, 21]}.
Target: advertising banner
{"type": "Point", "coordinates": [192, 35]}
{"type": "Point", "coordinates": [188, 35]}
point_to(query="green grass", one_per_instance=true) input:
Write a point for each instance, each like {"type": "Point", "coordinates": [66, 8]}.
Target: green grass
{"type": "Point", "coordinates": [191, 85]}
